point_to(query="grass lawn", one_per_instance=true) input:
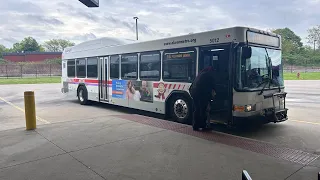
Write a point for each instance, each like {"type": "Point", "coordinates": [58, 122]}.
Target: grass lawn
{"type": "Point", "coordinates": [30, 80]}
{"type": "Point", "coordinates": [303, 76]}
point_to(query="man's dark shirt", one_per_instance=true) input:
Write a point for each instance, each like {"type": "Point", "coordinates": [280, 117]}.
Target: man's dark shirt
{"type": "Point", "coordinates": [203, 85]}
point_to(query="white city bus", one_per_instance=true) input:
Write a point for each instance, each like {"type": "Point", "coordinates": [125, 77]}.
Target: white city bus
{"type": "Point", "coordinates": [155, 75]}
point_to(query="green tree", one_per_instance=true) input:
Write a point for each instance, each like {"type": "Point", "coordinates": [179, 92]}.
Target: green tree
{"type": "Point", "coordinates": [17, 47]}
{"type": "Point", "coordinates": [291, 43]}
{"type": "Point", "coordinates": [57, 45]}
{"type": "Point", "coordinates": [42, 49]}
{"type": "Point", "coordinates": [53, 61]}
{"type": "Point", "coordinates": [314, 35]}
{"type": "Point", "coordinates": [2, 61]}
{"type": "Point", "coordinates": [28, 44]}
{"type": "Point", "coordinates": [3, 49]}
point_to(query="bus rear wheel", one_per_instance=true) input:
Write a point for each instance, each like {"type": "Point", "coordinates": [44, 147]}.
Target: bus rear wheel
{"type": "Point", "coordinates": [83, 95]}
{"type": "Point", "coordinates": [180, 109]}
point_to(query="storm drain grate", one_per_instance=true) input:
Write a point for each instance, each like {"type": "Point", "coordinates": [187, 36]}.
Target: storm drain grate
{"type": "Point", "coordinates": [284, 153]}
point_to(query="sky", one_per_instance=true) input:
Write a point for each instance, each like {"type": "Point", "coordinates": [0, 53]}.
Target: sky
{"type": "Point", "coordinates": [71, 20]}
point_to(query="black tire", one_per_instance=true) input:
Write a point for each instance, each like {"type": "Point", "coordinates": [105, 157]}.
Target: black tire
{"type": "Point", "coordinates": [180, 109]}
{"type": "Point", "coordinates": [83, 95]}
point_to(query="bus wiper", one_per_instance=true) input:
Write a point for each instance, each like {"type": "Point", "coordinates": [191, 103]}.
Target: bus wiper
{"type": "Point", "coordinates": [266, 81]}
{"type": "Point", "coordinates": [269, 79]}
{"type": "Point", "coordinates": [269, 64]}
{"type": "Point", "coordinates": [270, 71]}
{"type": "Point", "coordinates": [269, 68]}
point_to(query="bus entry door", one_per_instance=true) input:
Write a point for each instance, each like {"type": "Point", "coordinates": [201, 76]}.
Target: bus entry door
{"type": "Point", "coordinates": [103, 78]}
{"type": "Point", "coordinates": [218, 57]}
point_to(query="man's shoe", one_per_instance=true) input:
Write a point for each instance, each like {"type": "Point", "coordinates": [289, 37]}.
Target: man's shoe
{"type": "Point", "coordinates": [195, 128]}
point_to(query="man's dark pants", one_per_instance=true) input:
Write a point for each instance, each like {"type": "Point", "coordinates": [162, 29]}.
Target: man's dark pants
{"type": "Point", "coordinates": [200, 103]}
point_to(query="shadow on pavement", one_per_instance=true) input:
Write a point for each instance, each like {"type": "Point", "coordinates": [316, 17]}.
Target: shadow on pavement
{"type": "Point", "coordinates": [248, 130]}
{"type": "Point", "coordinates": [122, 109]}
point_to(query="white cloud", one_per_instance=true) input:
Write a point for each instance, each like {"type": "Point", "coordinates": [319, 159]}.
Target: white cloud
{"type": "Point", "coordinates": [45, 20]}
{"type": "Point", "coordinates": [144, 13]}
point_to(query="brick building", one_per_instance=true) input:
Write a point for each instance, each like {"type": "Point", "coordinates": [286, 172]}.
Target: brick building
{"type": "Point", "coordinates": [31, 56]}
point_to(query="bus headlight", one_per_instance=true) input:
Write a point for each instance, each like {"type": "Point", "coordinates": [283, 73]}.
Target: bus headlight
{"type": "Point", "coordinates": [248, 108]}
{"type": "Point", "coordinates": [245, 108]}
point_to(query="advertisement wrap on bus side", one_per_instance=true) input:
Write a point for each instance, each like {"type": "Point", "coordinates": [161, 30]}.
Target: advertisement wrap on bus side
{"type": "Point", "coordinates": [145, 91]}
{"type": "Point", "coordinates": [162, 90]}
{"type": "Point", "coordinates": [132, 90]}
{"type": "Point", "coordinates": [119, 89]}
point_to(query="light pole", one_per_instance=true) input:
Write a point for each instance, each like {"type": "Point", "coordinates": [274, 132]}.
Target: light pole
{"type": "Point", "coordinates": [314, 46]}
{"type": "Point", "coordinates": [136, 18]}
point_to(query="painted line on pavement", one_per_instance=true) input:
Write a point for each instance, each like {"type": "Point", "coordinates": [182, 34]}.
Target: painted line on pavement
{"type": "Point", "coordinates": [306, 122]}
{"type": "Point", "coordinates": [20, 109]}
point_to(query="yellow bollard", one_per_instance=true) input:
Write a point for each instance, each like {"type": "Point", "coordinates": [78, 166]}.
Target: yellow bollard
{"type": "Point", "coordinates": [30, 110]}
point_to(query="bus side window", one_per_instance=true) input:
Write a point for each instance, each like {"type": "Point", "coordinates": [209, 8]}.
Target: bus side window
{"type": "Point", "coordinates": [179, 65]}
{"type": "Point", "coordinates": [92, 67]}
{"type": "Point", "coordinates": [71, 70]}
{"type": "Point", "coordinates": [114, 67]}
{"type": "Point", "coordinates": [150, 66]}
{"type": "Point", "coordinates": [129, 66]}
{"type": "Point", "coordinates": [81, 68]}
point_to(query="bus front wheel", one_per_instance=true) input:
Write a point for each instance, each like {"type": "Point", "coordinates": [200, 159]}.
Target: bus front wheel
{"type": "Point", "coordinates": [180, 109]}
{"type": "Point", "coordinates": [82, 95]}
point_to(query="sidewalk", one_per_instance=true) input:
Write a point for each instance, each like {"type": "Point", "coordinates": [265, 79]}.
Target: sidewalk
{"type": "Point", "coordinates": [118, 148]}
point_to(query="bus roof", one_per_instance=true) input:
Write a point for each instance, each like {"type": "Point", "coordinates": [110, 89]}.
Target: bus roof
{"type": "Point", "coordinates": [112, 46]}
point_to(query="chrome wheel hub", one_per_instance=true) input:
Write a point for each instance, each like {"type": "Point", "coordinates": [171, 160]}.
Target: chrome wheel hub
{"type": "Point", "coordinates": [180, 109]}
{"type": "Point", "coordinates": [81, 95]}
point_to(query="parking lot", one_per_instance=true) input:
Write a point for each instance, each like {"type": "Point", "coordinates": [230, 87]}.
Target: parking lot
{"type": "Point", "coordinates": [61, 119]}
{"type": "Point", "coordinates": [301, 131]}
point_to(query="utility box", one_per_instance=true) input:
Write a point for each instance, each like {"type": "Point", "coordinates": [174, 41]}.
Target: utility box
{"type": "Point", "coordinates": [90, 3]}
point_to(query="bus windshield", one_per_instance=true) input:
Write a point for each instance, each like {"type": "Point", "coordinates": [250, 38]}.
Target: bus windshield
{"type": "Point", "coordinates": [264, 63]}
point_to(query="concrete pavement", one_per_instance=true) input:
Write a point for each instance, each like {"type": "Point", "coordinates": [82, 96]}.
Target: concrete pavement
{"type": "Point", "coordinates": [94, 142]}
{"type": "Point", "coordinates": [300, 132]}
{"type": "Point", "coordinates": [118, 148]}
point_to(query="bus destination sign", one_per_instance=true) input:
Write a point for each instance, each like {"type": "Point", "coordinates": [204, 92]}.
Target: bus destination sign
{"type": "Point", "coordinates": [258, 38]}
{"type": "Point", "coordinates": [178, 56]}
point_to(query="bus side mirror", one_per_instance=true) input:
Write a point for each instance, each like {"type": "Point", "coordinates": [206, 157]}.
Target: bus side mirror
{"type": "Point", "coordinates": [246, 52]}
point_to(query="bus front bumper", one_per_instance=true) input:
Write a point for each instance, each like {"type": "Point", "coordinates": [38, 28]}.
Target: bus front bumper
{"type": "Point", "coordinates": [266, 115]}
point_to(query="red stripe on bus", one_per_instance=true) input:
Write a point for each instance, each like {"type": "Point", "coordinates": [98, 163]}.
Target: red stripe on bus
{"type": "Point", "coordinates": [174, 86]}
{"type": "Point", "coordinates": [179, 86]}
{"type": "Point", "coordinates": [169, 86]}
{"type": "Point", "coordinates": [183, 87]}
{"type": "Point", "coordinates": [91, 81]}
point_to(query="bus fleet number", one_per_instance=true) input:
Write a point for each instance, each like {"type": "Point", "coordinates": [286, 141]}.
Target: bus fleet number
{"type": "Point", "coordinates": [214, 40]}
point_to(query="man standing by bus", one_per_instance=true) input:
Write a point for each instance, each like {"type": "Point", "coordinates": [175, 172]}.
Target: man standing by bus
{"type": "Point", "coordinates": [202, 91]}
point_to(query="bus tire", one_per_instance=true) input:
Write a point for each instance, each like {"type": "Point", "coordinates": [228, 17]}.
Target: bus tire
{"type": "Point", "coordinates": [181, 109]}
{"type": "Point", "coordinates": [83, 95]}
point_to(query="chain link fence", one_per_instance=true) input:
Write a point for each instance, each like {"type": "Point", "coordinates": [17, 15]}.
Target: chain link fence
{"type": "Point", "coordinates": [296, 69]}
{"type": "Point", "coordinates": [30, 70]}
